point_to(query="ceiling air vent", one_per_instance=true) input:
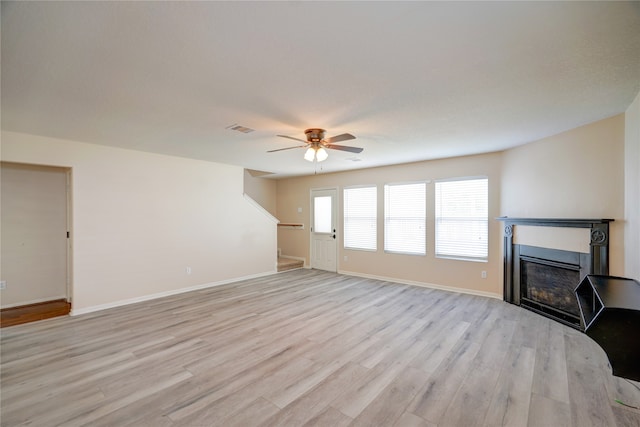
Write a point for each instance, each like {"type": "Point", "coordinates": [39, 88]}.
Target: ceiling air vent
{"type": "Point", "coordinates": [239, 128]}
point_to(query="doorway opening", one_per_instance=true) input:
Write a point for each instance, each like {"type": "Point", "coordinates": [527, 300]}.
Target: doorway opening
{"type": "Point", "coordinates": [35, 269]}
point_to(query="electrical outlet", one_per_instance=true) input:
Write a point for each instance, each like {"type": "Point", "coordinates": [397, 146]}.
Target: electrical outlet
{"type": "Point", "coordinates": [3, 284]}
{"type": "Point", "coordinates": [188, 270]}
{"type": "Point", "coordinates": [483, 274]}
{"type": "Point", "coordinates": [346, 258]}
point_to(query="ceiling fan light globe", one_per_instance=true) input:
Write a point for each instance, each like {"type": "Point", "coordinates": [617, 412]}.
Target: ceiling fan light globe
{"type": "Point", "coordinates": [309, 154]}
{"type": "Point", "coordinates": [321, 154]}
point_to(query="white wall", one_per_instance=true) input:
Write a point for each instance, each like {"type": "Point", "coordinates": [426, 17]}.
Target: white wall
{"type": "Point", "coordinates": [632, 190]}
{"type": "Point", "coordinates": [262, 190]}
{"type": "Point", "coordinates": [140, 219]}
{"type": "Point", "coordinates": [575, 174]}
{"type": "Point", "coordinates": [463, 276]}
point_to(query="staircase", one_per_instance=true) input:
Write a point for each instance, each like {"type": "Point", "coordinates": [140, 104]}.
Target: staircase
{"type": "Point", "coordinates": [285, 264]}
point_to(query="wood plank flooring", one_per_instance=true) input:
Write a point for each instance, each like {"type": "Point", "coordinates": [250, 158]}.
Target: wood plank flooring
{"type": "Point", "coordinates": [309, 348]}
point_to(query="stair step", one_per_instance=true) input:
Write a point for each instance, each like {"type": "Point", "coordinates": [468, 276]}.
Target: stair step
{"type": "Point", "coordinates": [285, 264]}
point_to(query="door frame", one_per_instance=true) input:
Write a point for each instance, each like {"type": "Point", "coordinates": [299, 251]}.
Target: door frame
{"type": "Point", "coordinates": [336, 210]}
{"type": "Point", "coordinates": [69, 207]}
{"type": "Point", "coordinates": [69, 173]}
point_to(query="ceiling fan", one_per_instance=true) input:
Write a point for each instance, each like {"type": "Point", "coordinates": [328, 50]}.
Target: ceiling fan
{"type": "Point", "coordinates": [316, 144]}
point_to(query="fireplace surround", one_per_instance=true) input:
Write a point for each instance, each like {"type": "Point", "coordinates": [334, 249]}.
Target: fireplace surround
{"type": "Point", "coordinates": [544, 279]}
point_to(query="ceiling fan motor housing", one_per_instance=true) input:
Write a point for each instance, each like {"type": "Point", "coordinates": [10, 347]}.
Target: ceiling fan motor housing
{"type": "Point", "coordinates": [314, 135]}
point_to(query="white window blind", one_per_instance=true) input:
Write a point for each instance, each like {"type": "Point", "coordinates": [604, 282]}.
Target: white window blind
{"type": "Point", "coordinates": [405, 218]}
{"type": "Point", "coordinates": [462, 209]}
{"type": "Point", "coordinates": [360, 218]}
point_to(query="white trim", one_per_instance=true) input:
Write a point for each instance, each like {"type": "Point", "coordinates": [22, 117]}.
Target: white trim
{"type": "Point", "coordinates": [349, 187]}
{"type": "Point", "coordinates": [69, 241]}
{"type": "Point", "coordinates": [337, 224]}
{"type": "Point", "coordinates": [386, 217]}
{"type": "Point", "coordinates": [165, 294]}
{"type": "Point", "coordinates": [423, 284]}
{"type": "Point", "coordinates": [35, 301]}
{"type": "Point", "coordinates": [343, 216]}
{"type": "Point", "coordinates": [121, 303]}
{"type": "Point", "coordinates": [419, 181]}
{"type": "Point", "coordinates": [462, 178]}
{"type": "Point", "coordinates": [260, 208]}
{"type": "Point", "coordinates": [461, 258]}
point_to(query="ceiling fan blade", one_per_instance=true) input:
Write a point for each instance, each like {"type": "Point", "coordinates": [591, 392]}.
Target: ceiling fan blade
{"type": "Point", "coordinates": [288, 148]}
{"type": "Point", "coordinates": [345, 148]}
{"type": "Point", "coordinates": [341, 137]}
{"type": "Point", "coordinates": [291, 137]}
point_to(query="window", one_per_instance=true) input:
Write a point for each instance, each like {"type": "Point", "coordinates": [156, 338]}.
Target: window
{"type": "Point", "coordinates": [322, 214]}
{"type": "Point", "coordinates": [462, 211]}
{"type": "Point", "coordinates": [360, 218]}
{"type": "Point", "coordinates": [405, 218]}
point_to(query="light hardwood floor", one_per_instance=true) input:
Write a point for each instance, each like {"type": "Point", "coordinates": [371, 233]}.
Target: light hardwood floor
{"type": "Point", "coordinates": [309, 348]}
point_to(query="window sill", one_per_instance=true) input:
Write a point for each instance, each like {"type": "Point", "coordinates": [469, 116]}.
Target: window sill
{"type": "Point", "coordinates": [405, 253]}
{"type": "Point", "coordinates": [459, 258]}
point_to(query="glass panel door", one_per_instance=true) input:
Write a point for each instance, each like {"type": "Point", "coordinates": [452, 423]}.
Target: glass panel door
{"type": "Point", "coordinates": [323, 231]}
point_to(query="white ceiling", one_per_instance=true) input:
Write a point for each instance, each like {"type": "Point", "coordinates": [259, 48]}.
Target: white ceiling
{"type": "Point", "coordinates": [412, 81]}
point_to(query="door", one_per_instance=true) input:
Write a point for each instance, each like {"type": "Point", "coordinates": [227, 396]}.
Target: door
{"type": "Point", "coordinates": [323, 229]}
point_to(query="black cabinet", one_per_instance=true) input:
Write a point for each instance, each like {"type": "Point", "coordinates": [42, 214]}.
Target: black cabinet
{"type": "Point", "coordinates": [610, 315]}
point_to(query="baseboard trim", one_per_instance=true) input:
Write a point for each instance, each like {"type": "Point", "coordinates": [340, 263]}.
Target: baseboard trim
{"type": "Point", "coordinates": [423, 284]}
{"type": "Point", "coordinates": [86, 310]}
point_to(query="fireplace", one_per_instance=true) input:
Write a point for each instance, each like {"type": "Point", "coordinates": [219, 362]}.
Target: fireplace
{"type": "Point", "coordinates": [544, 279]}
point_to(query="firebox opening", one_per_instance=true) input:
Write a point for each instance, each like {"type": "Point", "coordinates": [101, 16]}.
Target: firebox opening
{"type": "Point", "coordinates": [547, 279]}
{"type": "Point", "coordinates": [548, 287]}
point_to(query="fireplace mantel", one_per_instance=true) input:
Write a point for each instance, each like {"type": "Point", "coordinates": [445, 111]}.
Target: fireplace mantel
{"type": "Point", "coordinates": [599, 232]}
{"type": "Point", "coordinates": [599, 246]}
{"type": "Point", "coordinates": [556, 222]}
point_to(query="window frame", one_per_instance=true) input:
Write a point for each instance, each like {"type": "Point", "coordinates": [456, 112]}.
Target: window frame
{"type": "Point", "coordinates": [344, 218]}
{"type": "Point", "coordinates": [384, 219]}
{"type": "Point", "coordinates": [485, 257]}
